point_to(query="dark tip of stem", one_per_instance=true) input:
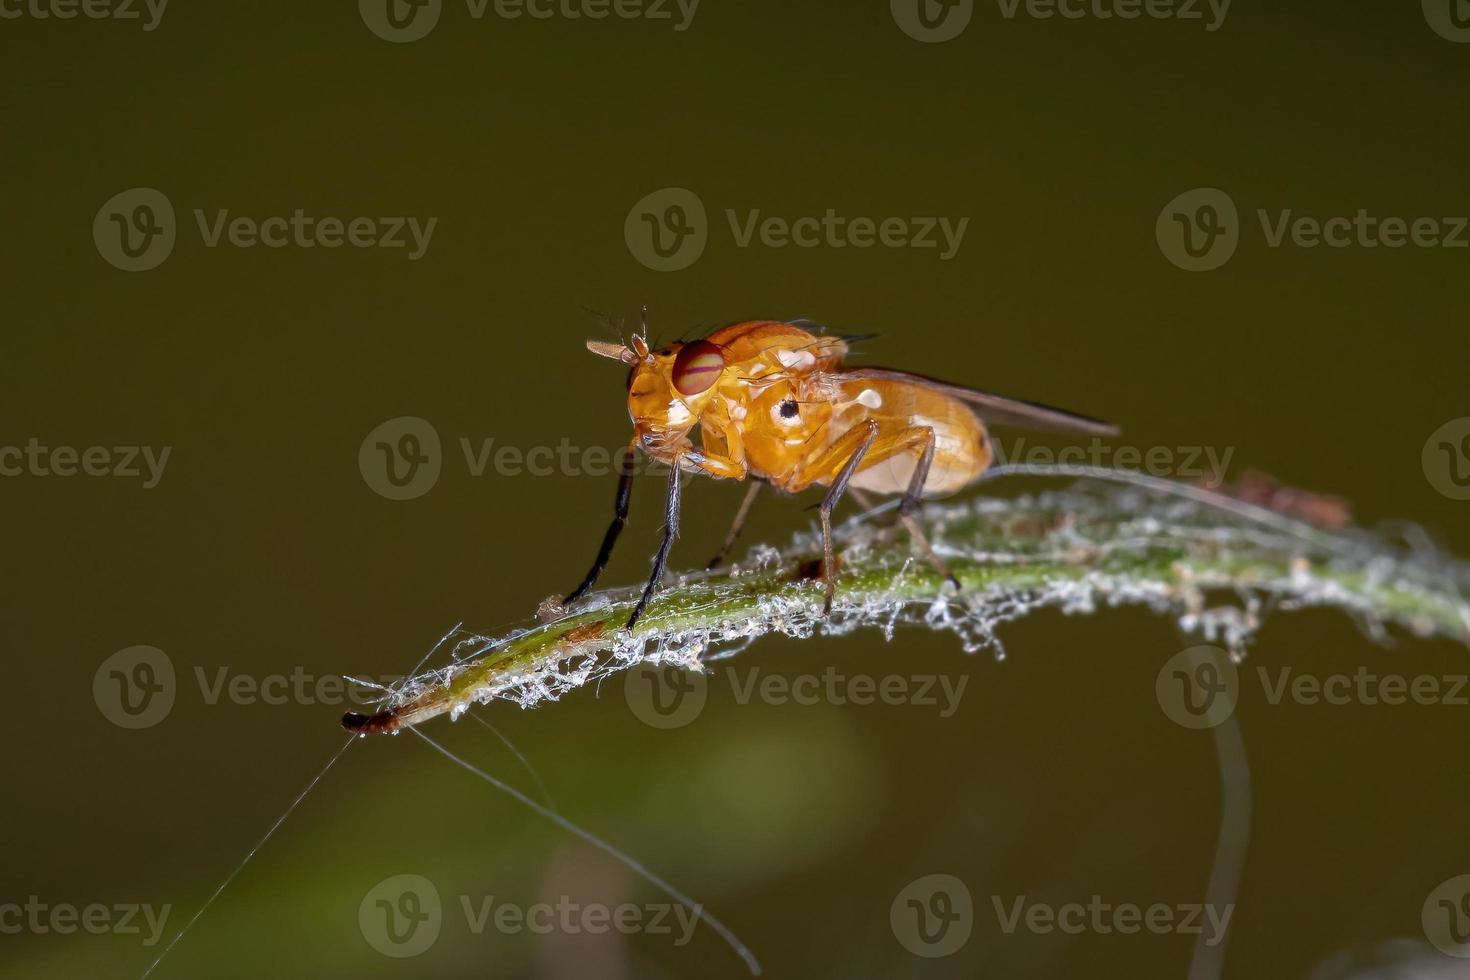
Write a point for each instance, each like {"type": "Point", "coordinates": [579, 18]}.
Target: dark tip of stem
{"type": "Point", "coordinates": [383, 723]}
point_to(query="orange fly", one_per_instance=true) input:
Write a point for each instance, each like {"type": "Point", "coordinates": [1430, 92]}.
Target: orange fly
{"type": "Point", "coordinates": [774, 402]}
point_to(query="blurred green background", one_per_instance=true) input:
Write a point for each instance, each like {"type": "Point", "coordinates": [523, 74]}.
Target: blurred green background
{"type": "Point", "coordinates": [263, 551]}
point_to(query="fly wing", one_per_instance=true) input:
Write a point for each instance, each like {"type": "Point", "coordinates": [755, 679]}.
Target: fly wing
{"type": "Point", "coordinates": [997, 409]}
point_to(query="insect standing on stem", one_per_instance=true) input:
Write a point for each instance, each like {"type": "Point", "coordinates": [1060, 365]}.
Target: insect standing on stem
{"type": "Point", "coordinates": [774, 403]}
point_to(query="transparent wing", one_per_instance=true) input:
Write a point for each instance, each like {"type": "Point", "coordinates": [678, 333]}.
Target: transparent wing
{"type": "Point", "coordinates": [991, 407]}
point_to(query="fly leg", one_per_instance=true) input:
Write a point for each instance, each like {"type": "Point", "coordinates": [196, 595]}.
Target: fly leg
{"type": "Point", "coordinates": [661, 558]}
{"type": "Point", "coordinates": [740, 516]}
{"type": "Point", "coordinates": [874, 450]}
{"type": "Point", "coordinates": [868, 432]}
{"type": "Point", "coordinates": [620, 517]}
{"type": "Point", "coordinates": [911, 503]}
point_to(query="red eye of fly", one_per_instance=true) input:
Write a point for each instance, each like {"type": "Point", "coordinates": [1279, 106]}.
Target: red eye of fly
{"type": "Point", "coordinates": [697, 366]}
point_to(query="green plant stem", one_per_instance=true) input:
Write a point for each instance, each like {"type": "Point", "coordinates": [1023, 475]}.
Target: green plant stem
{"type": "Point", "coordinates": [1079, 549]}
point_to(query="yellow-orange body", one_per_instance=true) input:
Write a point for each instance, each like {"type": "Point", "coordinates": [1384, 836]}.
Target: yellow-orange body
{"type": "Point", "coordinates": [774, 401]}
{"type": "Point", "coordinates": [783, 410]}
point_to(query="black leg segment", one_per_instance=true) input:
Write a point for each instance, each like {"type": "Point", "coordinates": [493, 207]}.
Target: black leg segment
{"type": "Point", "coordinates": [620, 517]}
{"type": "Point", "coordinates": [661, 558]}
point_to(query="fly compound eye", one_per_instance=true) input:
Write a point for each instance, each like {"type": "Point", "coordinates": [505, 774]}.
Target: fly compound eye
{"type": "Point", "coordinates": [697, 366]}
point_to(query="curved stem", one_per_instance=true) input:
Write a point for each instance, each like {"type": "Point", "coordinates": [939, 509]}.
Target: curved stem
{"type": "Point", "coordinates": [1168, 546]}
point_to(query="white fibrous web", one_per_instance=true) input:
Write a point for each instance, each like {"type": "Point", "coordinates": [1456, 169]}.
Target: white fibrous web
{"type": "Point", "coordinates": [1215, 565]}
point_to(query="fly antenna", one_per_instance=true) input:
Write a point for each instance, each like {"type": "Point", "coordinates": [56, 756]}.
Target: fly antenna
{"type": "Point", "coordinates": [648, 339]}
